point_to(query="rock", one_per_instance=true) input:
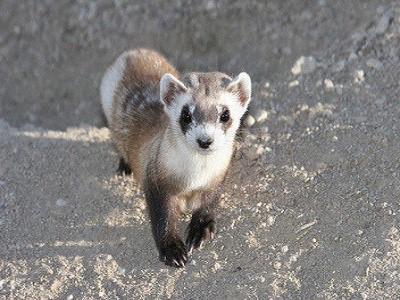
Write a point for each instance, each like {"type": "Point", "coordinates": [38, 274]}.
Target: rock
{"type": "Point", "coordinates": [249, 121]}
{"type": "Point", "coordinates": [374, 63]}
{"type": "Point", "coordinates": [61, 202]}
{"type": "Point", "coordinates": [270, 220]}
{"type": "Point", "coordinates": [277, 265]}
{"type": "Point", "coordinates": [217, 266]}
{"type": "Point", "coordinates": [359, 76]}
{"type": "Point", "coordinates": [304, 107]}
{"type": "Point", "coordinates": [261, 115]}
{"type": "Point", "coordinates": [294, 84]}
{"type": "Point", "coordinates": [329, 85]}
{"type": "Point", "coordinates": [304, 65]}
{"type": "Point", "coordinates": [260, 150]}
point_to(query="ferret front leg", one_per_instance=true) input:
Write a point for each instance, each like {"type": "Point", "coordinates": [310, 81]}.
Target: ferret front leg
{"type": "Point", "coordinates": [202, 226]}
{"type": "Point", "coordinates": [164, 219]}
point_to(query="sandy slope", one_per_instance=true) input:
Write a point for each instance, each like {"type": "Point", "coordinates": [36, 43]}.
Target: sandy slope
{"type": "Point", "coordinates": [314, 214]}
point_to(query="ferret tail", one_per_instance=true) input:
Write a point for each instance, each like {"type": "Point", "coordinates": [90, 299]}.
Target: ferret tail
{"type": "Point", "coordinates": [110, 81]}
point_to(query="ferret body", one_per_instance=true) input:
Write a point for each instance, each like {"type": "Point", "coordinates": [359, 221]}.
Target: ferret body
{"type": "Point", "coordinates": [176, 137]}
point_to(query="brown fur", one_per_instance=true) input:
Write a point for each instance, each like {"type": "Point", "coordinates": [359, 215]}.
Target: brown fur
{"type": "Point", "coordinates": [138, 125]}
{"type": "Point", "coordinates": [133, 131]}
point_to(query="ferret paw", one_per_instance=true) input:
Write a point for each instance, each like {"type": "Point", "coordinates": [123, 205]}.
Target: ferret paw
{"type": "Point", "coordinates": [123, 168]}
{"type": "Point", "coordinates": [174, 254]}
{"type": "Point", "coordinates": [200, 231]}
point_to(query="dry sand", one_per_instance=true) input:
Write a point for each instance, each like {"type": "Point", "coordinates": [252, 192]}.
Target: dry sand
{"type": "Point", "coordinates": [311, 206]}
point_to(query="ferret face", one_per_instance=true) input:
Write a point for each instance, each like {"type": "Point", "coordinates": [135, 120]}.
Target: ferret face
{"type": "Point", "coordinates": [206, 109]}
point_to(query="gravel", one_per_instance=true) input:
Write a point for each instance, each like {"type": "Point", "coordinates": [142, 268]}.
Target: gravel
{"type": "Point", "coordinates": [309, 209]}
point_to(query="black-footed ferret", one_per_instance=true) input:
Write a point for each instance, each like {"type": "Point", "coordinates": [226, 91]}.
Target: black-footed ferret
{"type": "Point", "coordinates": [176, 136]}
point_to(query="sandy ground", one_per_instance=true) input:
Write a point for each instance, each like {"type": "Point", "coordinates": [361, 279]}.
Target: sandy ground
{"type": "Point", "coordinates": [311, 206]}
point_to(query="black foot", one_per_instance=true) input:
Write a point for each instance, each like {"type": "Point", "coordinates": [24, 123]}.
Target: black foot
{"type": "Point", "coordinates": [123, 168]}
{"type": "Point", "coordinates": [174, 254]}
{"type": "Point", "coordinates": [200, 230]}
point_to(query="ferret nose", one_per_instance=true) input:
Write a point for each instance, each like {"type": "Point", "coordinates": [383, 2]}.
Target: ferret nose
{"type": "Point", "coordinates": [204, 143]}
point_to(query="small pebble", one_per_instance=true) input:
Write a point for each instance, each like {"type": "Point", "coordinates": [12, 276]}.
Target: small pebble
{"type": "Point", "coordinates": [61, 202]}
{"type": "Point", "coordinates": [329, 85]}
{"type": "Point", "coordinates": [249, 121]}
{"type": "Point", "coordinates": [217, 266]}
{"type": "Point", "coordinates": [304, 107]}
{"type": "Point", "coordinates": [270, 220]}
{"type": "Point", "coordinates": [261, 115]}
{"type": "Point", "coordinates": [304, 65]}
{"type": "Point", "coordinates": [359, 76]}
{"type": "Point", "coordinates": [294, 84]}
{"type": "Point", "coordinates": [285, 249]}
{"type": "Point", "coordinates": [260, 150]}
{"type": "Point", "coordinates": [70, 297]}
{"type": "Point", "coordinates": [277, 265]}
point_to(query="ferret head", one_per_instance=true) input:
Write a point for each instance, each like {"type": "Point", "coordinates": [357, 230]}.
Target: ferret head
{"type": "Point", "coordinates": [205, 108]}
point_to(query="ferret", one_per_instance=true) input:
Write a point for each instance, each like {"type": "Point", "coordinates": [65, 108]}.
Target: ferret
{"type": "Point", "coordinates": [176, 135]}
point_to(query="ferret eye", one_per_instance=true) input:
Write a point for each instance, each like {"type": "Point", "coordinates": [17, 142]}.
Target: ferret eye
{"type": "Point", "coordinates": [186, 117]}
{"type": "Point", "coordinates": [225, 116]}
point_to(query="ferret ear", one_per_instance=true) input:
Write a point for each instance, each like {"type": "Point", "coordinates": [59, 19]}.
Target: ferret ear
{"type": "Point", "coordinates": [241, 86]}
{"type": "Point", "coordinates": [170, 87]}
